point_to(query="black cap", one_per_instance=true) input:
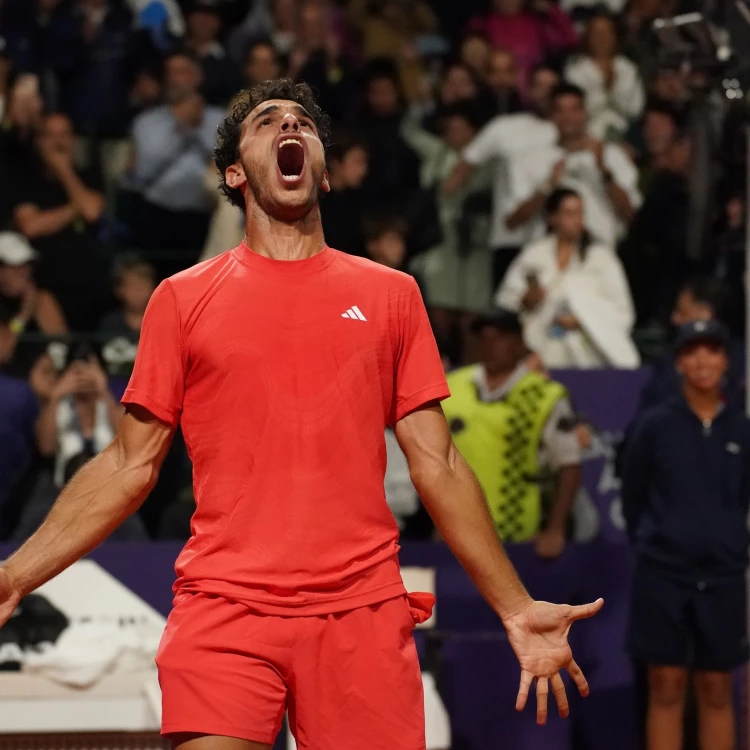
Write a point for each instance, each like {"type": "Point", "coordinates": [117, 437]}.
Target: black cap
{"type": "Point", "coordinates": [504, 320]}
{"type": "Point", "coordinates": [702, 330]}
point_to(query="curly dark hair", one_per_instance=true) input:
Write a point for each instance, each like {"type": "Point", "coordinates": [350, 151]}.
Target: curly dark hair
{"type": "Point", "coordinates": [226, 151]}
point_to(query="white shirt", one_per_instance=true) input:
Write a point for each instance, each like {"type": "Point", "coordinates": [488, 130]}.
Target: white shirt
{"type": "Point", "coordinates": [610, 109]}
{"type": "Point", "coordinates": [531, 169]}
{"type": "Point", "coordinates": [498, 140]}
{"type": "Point", "coordinates": [592, 288]}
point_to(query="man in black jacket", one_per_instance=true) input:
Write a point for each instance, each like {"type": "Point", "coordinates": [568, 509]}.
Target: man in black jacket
{"type": "Point", "coordinates": [685, 491]}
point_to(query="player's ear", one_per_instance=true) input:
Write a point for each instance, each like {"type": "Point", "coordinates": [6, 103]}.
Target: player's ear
{"type": "Point", "coordinates": [235, 176]}
{"type": "Point", "coordinates": [325, 185]}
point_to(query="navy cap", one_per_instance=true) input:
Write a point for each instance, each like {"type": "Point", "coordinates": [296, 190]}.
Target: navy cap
{"type": "Point", "coordinates": [702, 330]}
{"type": "Point", "coordinates": [504, 320]}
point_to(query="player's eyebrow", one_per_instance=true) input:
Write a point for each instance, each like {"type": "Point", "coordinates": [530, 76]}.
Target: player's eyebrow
{"type": "Point", "coordinates": [300, 110]}
{"type": "Point", "coordinates": [267, 111]}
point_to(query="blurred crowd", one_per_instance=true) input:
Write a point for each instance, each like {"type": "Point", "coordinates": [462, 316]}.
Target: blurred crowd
{"type": "Point", "coordinates": [539, 157]}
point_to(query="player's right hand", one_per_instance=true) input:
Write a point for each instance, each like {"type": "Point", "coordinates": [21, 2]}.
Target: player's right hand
{"type": "Point", "coordinates": [9, 597]}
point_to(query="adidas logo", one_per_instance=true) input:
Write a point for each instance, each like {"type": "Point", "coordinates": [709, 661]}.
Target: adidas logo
{"type": "Point", "coordinates": [354, 313]}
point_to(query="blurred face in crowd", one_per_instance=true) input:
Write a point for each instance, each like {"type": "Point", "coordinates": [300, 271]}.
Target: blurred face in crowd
{"type": "Point", "coordinates": [659, 132]}
{"type": "Point", "coordinates": [146, 90]}
{"type": "Point", "coordinates": [507, 7]}
{"type": "Point", "coordinates": [601, 38]}
{"type": "Point", "coordinates": [499, 351]}
{"type": "Point", "coordinates": [135, 290]}
{"type": "Point", "coordinates": [475, 52]}
{"type": "Point", "coordinates": [284, 14]}
{"type": "Point", "coordinates": [680, 155]}
{"type": "Point", "coordinates": [262, 64]}
{"type": "Point", "coordinates": [281, 164]}
{"type": "Point", "coordinates": [350, 171]}
{"type": "Point", "coordinates": [388, 249]}
{"type": "Point", "coordinates": [458, 85]}
{"type": "Point", "coordinates": [543, 81]}
{"type": "Point", "coordinates": [43, 376]}
{"type": "Point", "coordinates": [735, 212]}
{"type": "Point", "coordinates": [569, 115]}
{"type": "Point", "coordinates": [457, 132]}
{"type": "Point", "coordinates": [15, 280]}
{"type": "Point", "coordinates": [567, 221]}
{"type": "Point", "coordinates": [313, 27]}
{"type": "Point", "coordinates": [688, 309]}
{"type": "Point", "coordinates": [25, 103]}
{"type": "Point", "coordinates": [703, 365]}
{"type": "Point", "coordinates": [203, 26]}
{"type": "Point", "coordinates": [182, 78]}
{"type": "Point", "coordinates": [56, 134]}
{"type": "Point", "coordinates": [670, 86]}
{"type": "Point", "coordinates": [382, 96]}
{"type": "Point", "coordinates": [503, 74]}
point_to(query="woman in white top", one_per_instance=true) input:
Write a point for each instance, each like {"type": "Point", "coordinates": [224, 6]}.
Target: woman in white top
{"type": "Point", "coordinates": [572, 294]}
{"type": "Point", "coordinates": [614, 91]}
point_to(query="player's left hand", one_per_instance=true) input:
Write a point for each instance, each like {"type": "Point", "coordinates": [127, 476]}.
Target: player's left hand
{"type": "Point", "coordinates": [539, 637]}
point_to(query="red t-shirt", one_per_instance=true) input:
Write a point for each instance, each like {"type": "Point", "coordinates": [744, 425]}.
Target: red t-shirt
{"type": "Point", "coordinates": [284, 375]}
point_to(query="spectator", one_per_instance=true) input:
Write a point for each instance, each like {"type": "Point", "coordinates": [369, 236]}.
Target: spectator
{"type": "Point", "coordinates": [173, 145]}
{"type": "Point", "coordinates": [501, 408]}
{"type": "Point", "coordinates": [602, 174]}
{"type": "Point", "coordinates": [135, 281]}
{"type": "Point", "coordinates": [392, 29]}
{"type": "Point", "coordinates": [573, 294]}
{"type": "Point", "coordinates": [504, 81]}
{"type": "Point", "coordinates": [81, 415]}
{"type": "Point", "coordinates": [611, 82]}
{"type": "Point", "coordinates": [317, 60]}
{"type": "Point", "coordinates": [700, 299]}
{"type": "Point", "coordinates": [23, 307]}
{"type": "Point", "coordinates": [92, 52]}
{"type": "Point", "coordinates": [59, 207]}
{"type": "Point", "coordinates": [145, 90]}
{"type": "Point", "coordinates": [385, 240]}
{"type": "Point", "coordinates": [22, 117]}
{"type": "Point", "coordinates": [496, 143]}
{"type": "Point", "coordinates": [262, 63]}
{"type": "Point", "coordinates": [343, 207]}
{"type": "Point", "coordinates": [475, 53]}
{"type": "Point", "coordinates": [532, 34]}
{"type": "Point", "coordinates": [457, 271]}
{"type": "Point", "coordinates": [685, 495]}
{"type": "Point", "coordinates": [220, 78]}
{"type": "Point", "coordinates": [658, 235]}
{"type": "Point", "coordinates": [394, 167]}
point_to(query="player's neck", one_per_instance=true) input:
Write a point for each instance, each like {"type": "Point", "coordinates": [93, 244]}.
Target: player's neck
{"type": "Point", "coordinates": [281, 240]}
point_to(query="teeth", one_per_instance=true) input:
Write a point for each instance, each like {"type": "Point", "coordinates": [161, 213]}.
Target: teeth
{"type": "Point", "coordinates": [290, 177]}
{"type": "Point", "coordinates": [288, 141]}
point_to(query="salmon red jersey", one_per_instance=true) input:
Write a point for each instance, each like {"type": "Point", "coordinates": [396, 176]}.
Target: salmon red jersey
{"type": "Point", "coordinates": [284, 376]}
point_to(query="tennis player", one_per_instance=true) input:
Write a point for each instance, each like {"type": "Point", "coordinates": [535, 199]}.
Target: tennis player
{"type": "Point", "coordinates": [284, 361]}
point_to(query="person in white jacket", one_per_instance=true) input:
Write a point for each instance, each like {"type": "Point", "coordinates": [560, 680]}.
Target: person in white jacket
{"type": "Point", "coordinates": [572, 294]}
{"type": "Point", "coordinates": [614, 91]}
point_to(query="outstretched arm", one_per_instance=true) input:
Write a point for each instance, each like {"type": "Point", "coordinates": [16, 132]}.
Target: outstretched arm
{"type": "Point", "coordinates": [96, 501]}
{"type": "Point", "coordinates": [537, 631]}
{"type": "Point", "coordinates": [455, 501]}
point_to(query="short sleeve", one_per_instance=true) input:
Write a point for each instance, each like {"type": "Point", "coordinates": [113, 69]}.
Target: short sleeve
{"type": "Point", "coordinates": [158, 379]}
{"type": "Point", "coordinates": [419, 377]}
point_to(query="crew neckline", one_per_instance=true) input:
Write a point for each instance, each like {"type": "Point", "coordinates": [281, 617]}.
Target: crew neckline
{"type": "Point", "coordinates": [249, 257]}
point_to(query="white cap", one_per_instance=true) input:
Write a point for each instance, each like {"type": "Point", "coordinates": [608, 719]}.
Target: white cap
{"type": "Point", "coordinates": [15, 249]}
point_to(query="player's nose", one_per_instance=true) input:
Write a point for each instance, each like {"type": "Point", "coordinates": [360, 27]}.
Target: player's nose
{"type": "Point", "coordinates": [289, 123]}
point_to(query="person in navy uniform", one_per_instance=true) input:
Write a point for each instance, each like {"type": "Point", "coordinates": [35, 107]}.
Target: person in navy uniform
{"type": "Point", "coordinates": [685, 490]}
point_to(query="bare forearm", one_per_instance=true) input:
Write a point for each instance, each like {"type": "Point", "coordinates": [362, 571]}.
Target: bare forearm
{"type": "Point", "coordinates": [568, 484]}
{"type": "Point", "coordinates": [620, 202]}
{"type": "Point", "coordinates": [527, 210]}
{"type": "Point", "coordinates": [46, 428]}
{"type": "Point", "coordinates": [88, 202]}
{"type": "Point", "coordinates": [457, 505]}
{"type": "Point", "coordinates": [44, 223]}
{"type": "Point", "coordinates": [93, 504]}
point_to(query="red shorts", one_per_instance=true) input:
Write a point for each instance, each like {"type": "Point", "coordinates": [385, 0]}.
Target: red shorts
{"type": "Point", "coordinates": [349, 680]}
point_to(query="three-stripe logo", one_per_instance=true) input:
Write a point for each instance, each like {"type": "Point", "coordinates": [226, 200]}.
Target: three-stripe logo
{"type": "Point", "coordinates": [354, 313]}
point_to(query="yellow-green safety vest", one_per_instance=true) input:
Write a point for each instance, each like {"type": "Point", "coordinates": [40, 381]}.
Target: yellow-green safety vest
{"type": "Point", "coordinates": [500, 441]}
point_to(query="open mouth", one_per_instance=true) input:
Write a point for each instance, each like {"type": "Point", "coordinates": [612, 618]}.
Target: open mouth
{"type": "Point", "coordinates": [290, 158]}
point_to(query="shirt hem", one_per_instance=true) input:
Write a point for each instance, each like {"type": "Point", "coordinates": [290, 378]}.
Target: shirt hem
{"type": "Point", "coordinates": [420, 398]}
{"type": "Point", "coordinates": [160, 411]}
